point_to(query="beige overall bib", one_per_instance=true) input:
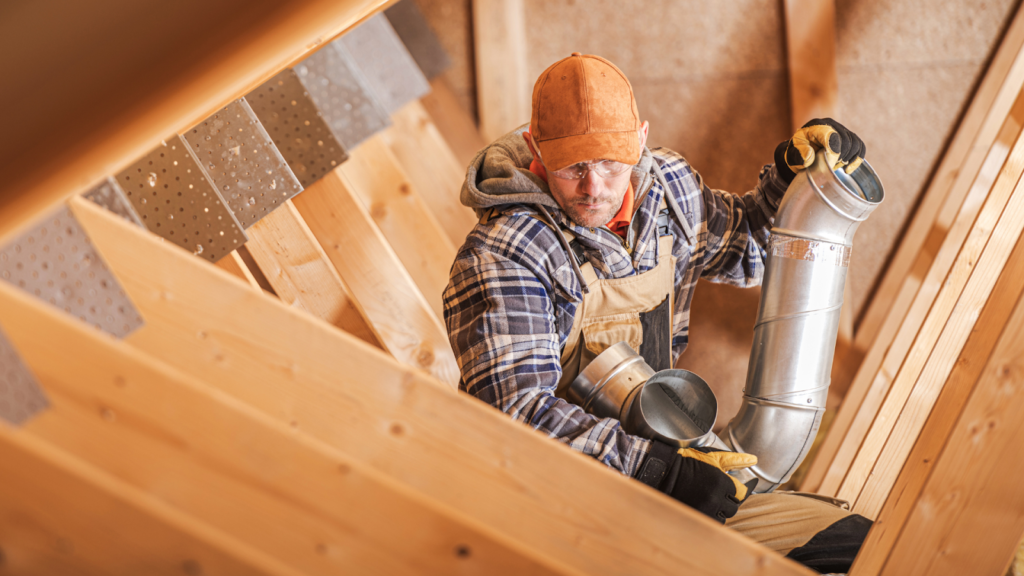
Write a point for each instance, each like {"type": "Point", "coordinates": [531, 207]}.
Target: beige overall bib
{"type": "Point", "coordinates": [636, 310]}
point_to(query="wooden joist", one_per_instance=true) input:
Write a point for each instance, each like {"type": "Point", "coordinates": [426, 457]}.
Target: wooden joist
{"type": "Point", "coordinates": [233, 264]}
{"type": "Point", "coordinates": [300, 272]}
{"type": "Point", "coordinates": [398, 210]}
{"type": "Point", "coordinates": [811, 59]}
{"type": "Point", "coordinates": [956, 191]}
{"type": "Point", "coordinates": [432, 169]}
{"type": "Point", "coordinates": [450, 448]}
{"type": "Point", "coordinates": [911, 305]}
{"type": "Point", "coordinates": [503, 90]}
{"type": "Point", "coordinates": [59, 515]}
{"type": "Point", "coordinates": [997, 320]}
{"type": "Point", "coordinates": [400, 317]}
{"type": "Point", "coordinates": [970, 512]}
{"type": "Point", "coordinates": [885, 357]}
{"type": "Point", "coordinates": [948, 314]}
{"type": "Point", "coordinates": [232, 467]}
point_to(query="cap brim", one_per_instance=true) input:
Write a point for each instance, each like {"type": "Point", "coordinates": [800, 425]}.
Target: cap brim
{"type": "Point", "coordinates": [618, 146]}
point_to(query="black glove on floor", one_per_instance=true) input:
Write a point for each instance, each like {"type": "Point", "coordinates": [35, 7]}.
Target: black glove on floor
{"type": "Point", "coordinates": [842, 148]}
{"type": "Point", "coordinates": [697, 477]}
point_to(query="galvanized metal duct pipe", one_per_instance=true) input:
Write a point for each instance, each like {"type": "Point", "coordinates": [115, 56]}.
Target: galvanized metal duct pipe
{"type": "Point", "coordinates": [798, 320]}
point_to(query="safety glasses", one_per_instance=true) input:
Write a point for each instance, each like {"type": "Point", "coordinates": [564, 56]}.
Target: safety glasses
{"type": "Point", "coordinates": [602, 168]}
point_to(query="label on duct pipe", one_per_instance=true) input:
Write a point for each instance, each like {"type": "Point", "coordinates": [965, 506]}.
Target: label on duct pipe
{"type": "Point", "coordinates": [810, 250]}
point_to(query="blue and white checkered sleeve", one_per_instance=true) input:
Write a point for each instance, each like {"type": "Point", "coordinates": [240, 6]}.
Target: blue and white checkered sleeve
{"type": "Point", "coordinates": [738, 228]}
{"type": "Point", "coordinates": [502, 325]}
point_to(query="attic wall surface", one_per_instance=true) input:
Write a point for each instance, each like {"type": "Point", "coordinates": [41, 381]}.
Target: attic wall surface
{"type": "Point", "coordinates": [711, 78]}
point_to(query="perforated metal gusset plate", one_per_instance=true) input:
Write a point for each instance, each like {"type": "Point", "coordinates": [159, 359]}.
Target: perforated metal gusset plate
{"type": "Point", "coordinates": [286, 110]}
{"type": "Point", "coordinates": [55, 262]}
{"type": "Point", "coordinates": [110, 196]}
{"type": "Point", "coordinates": [21, 396]}
{"type": "Point", "coordinates": [392, 73]}
{"type": "Point", "coordinates": [243, 162]}
{"type": "Point", "coordinates": [419, 38]}
{"type": "Point", "coordinates": [176, 200]}
{"type": "Point", "coordinates": [342, 94]}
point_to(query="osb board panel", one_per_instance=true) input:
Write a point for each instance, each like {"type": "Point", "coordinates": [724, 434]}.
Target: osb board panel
{"type": "Point", "coordinates": [668, 40]}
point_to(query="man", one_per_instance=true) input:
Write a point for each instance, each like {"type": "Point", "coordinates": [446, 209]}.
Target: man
{"type": "Point", "coordinates": [588, 238]}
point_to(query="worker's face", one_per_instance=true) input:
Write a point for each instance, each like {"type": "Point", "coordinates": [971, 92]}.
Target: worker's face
{"type": "Point", "coordinates": [592, 200]}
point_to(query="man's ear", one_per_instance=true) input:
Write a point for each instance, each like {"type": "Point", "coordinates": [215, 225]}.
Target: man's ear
{"type": "Point", "coordinates": [643, 134]}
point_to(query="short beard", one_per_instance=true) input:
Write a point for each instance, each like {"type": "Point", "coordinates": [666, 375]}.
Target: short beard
{"type": "Point", "coordinates": [591, 219]}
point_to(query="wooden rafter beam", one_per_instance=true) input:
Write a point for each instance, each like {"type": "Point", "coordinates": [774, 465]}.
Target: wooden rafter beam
{"type": "Point", "coordinates": [59, 515]}
{"type": "Point", "coordinates": [173, 64]}
{"type": "Point", "coordinates": [949, 204]}
{"type": "Point", "coordinates": [399, 211]}
{"type": "Point", "coordinates": [956, 266]}
{"type": "Point", "coordinates": [232, 467]}
{"type": "Point", "coordinates": [302, 275]}
{"type": "Point", "coordinates": [901, 493]}
{"type": "Point", "coordinates": [503, 90]}
{"type": "Point", "coordinates": [448, 447]}
{"type": "Point", "coordinates": [432, 168]}
{"type": "Point", "coordinates": [233, 264]}
{"type": "Point", "coordinates": [811, 57]}
{"type": "Point", "coordinates": [395, 309]}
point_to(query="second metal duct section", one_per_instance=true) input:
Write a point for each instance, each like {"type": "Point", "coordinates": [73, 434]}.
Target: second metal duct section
{"type": "Point", "coordinates": [798, 319]}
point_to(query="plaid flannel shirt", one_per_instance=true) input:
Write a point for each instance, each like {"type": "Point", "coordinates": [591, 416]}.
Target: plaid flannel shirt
{"type": "Point", "coordinates": [512, 296]}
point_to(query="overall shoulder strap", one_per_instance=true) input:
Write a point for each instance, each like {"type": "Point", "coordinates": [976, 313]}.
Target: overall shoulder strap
{"type": "Point", "coordinates": [577, 252]}
{"type": "Point", "coordinates": [691, 238]}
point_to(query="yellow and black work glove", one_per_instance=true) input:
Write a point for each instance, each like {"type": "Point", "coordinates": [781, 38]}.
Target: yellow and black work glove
{"type": "Point", "coordinates": [697, 477]}
{"type": "Point", "coordinates": [842, 148]}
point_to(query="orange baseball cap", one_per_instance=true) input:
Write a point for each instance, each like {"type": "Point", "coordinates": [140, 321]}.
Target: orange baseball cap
{"type": "Point", "coordinates": [584, 109]}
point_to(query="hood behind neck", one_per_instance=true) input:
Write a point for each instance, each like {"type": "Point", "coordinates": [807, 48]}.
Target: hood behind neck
{"type": "Point", "coordinates": [500, 174]}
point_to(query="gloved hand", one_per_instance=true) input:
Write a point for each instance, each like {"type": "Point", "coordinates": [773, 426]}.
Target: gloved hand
{"type": "Point", "coordinates": [842, 148]}
{"type": "Point", "coordinates": [697, 477]}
